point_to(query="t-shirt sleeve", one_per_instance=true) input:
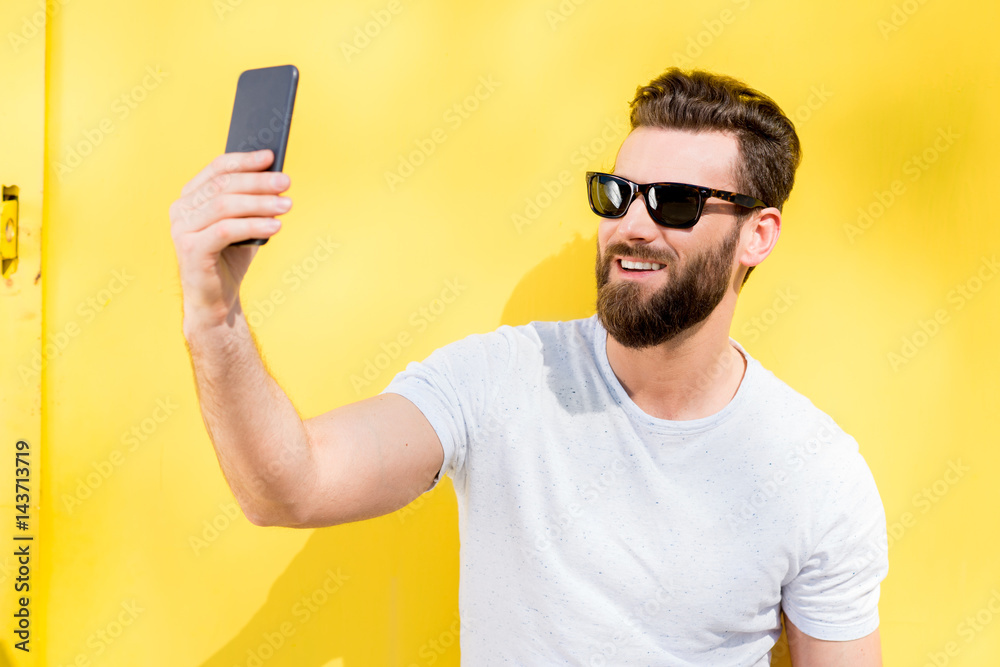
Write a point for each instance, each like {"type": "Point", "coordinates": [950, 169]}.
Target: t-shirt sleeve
{"type": "Point", "coordinates": [454, 388]}
{"type": "Point", "coordinates": [835, 594]}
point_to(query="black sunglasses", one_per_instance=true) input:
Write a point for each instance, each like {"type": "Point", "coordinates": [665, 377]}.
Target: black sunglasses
{"type": "Point", "coordinates": [677, 205]}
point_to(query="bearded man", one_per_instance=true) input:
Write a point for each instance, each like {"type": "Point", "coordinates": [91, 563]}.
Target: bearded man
{"type": "Point", "coordinates": [633, 488]}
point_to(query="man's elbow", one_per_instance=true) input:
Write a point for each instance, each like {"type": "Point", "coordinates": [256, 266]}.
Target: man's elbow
{"type": "Point", "coordinates": [275, 517]}
{"type": "Point", "coordinates": [259, 519]}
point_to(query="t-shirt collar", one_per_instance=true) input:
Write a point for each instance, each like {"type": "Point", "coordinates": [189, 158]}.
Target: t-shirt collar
{"type": "Point", "coordinates": [600, 339]}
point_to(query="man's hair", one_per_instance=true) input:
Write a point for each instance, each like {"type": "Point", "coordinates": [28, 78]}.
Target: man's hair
{"type": "Point", "coordinates": [699, 101]}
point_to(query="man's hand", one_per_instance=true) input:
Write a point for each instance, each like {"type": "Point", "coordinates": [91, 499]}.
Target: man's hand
{"type": "Point", "coordinates": [229, 200]}
{"type": "Point", "coordinates": [808, 651]}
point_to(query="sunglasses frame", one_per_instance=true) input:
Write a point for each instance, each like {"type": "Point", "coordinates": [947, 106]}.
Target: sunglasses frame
{"type": "Point", "coordinates": [702, 192]}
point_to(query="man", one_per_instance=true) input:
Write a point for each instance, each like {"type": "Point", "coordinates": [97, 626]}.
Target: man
{"type": "Point", "coordinates": [633, 488]}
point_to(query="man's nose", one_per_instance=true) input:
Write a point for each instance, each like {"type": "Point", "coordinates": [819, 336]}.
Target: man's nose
{"type": "Point", "coordinates": [636, 223]}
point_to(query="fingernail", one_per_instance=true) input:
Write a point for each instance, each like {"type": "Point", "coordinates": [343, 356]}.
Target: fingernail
{"type": "Point", "coordinates": [279, 180]}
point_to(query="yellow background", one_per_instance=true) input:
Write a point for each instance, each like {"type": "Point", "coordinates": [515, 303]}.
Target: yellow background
{"type": "Point", "coordinates": [871, 87]}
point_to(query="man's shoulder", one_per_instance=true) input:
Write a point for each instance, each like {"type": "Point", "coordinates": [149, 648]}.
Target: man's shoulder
{"type": "Point", "coordinates": [538, 334]}
{"type": "Point", "coordinates": [549, 328]}
{"type": "Point", "coordinates": [540, 340]}
{"type": "Point", "coordinates": [783, 410]}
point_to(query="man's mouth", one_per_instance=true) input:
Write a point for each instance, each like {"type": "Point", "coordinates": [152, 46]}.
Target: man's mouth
{"type": "Point", "coordinates": [639, 267]}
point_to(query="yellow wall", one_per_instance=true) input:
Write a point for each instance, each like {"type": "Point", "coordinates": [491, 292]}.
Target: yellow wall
{"type": "Point", "coordinates": [146, 557]}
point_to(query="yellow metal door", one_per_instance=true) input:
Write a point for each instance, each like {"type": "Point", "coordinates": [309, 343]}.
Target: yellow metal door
{"type": "Point", "coordinates": [26, 533]}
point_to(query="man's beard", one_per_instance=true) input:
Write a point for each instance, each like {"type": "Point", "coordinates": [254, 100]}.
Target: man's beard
{"type": "Point", "coordinates": [689, 296]}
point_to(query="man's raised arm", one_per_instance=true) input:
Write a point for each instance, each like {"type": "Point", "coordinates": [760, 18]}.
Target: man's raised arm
{"type": "Point", "coordinates": [355, 462]}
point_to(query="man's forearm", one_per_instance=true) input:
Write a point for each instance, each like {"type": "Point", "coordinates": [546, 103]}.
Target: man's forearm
{"type": "Point", "coordinates": [257, 433]}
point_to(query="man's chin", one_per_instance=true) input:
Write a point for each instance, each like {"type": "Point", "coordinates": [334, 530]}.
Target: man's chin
{"type": "Point", "coordinates": [633, 341]}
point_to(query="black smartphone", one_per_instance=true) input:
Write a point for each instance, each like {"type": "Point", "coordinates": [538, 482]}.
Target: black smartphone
{"type": "Point", "coordinates": [262, 115]}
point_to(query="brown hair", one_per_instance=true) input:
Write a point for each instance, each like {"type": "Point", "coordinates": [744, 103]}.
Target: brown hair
{"type": "Point", "coordinates": [699, 101]}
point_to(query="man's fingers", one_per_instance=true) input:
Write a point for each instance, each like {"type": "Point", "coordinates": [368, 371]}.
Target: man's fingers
{"type": "Point", "coordinates": [255, 182]}
{"type": "Point", "coordinates": [216, 238]}
{"type": "Point", "coordinates": [225, 164]}
{"type": "Point", "coordinates": [191, 217]}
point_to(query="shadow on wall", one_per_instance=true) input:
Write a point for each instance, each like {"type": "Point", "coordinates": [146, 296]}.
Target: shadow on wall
{"type": "Point", "coordinates": [325, 606]}
{"type": "Point", "coordinates": [562, 287]}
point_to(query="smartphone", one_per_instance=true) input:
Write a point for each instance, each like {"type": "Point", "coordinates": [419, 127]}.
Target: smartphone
{"type": "Point", "coordinates": [262, 115]}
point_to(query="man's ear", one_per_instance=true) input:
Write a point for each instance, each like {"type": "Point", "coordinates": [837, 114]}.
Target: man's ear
{"type": "Point", "coordinates": [759, 235]}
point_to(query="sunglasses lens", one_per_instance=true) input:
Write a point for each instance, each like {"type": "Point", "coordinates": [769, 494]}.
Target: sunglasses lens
{"type": "Point", "coordinates": [608, 195]}
{"type": "Point", "coordinates": [674, 205]}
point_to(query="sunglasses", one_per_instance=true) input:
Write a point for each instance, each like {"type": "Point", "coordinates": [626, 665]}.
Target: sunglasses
{"type": "Point", "coordinates": [676, 205]}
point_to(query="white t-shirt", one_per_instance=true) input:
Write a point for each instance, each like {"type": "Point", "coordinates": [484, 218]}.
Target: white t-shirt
{"type": "Point", "coordinates": [595, 534]}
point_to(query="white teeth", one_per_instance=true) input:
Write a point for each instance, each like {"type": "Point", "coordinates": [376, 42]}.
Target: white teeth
{"type": "Point", "coordinates": [641, 265]}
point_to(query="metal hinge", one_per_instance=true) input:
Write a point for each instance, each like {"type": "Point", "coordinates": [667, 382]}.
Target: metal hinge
{"type": "Point", "coordinates": [8, 231]}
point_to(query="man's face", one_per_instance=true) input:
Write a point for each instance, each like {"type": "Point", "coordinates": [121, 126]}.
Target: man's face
{"type": "Point", "coordinates": [641, 308]}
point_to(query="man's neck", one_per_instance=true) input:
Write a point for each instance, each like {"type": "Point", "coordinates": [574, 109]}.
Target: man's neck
{"type": "Point", "coordinates": [694, 375]}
